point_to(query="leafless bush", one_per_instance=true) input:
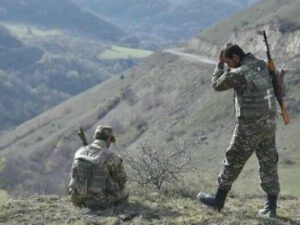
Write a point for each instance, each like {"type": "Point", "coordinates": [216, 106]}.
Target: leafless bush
{"type": "Point", "coordinates": [129, 96]}
{"type": "Point", "coordinates": [157, 165]}
{"type": "Point", "coordinates": [288, 26]}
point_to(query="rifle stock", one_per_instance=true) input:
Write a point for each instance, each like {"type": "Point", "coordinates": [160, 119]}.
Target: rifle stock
{"type": "Point", "coordinates": [284, 114]}
{"type": "Point", "coordinates": [276, 83]}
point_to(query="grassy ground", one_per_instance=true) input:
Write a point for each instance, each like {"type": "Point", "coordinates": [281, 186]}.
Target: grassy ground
{"type": "Point", "coordinates": [117, 52]}
{"type": "Point", "coordinates": [146, 209]}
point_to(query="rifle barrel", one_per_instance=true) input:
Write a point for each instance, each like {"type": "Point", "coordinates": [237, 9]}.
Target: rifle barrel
{"type": "Point", "coordinates": [276, 86]}
{"type": "Point", "coordinates": [82, 136]}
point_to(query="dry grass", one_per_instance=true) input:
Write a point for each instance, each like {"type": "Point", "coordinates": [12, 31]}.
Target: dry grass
{"type": "Point", "coordinates": [146, 209]}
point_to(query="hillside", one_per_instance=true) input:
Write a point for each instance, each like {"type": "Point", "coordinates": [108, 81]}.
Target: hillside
{"type": "Point", "coordinates": [44, 61]}
{"type": "Point", "coordinates": [278, 17]}
{"type": "Point", "coordinates": [54, 50]}
{"type": "Point", "coordinates": [50, 68]}
{"type": "Point", "coordinates": [157, 23]}
{"type": "Point", "coordinates": [59, 14]}
{"type": "Point", "coordinates": [13, 49]}
{"type": "Point", "coordinates": [168, 98]}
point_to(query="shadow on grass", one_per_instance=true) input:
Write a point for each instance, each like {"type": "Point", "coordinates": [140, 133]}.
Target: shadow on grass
{"type": "Point", "coordinates": [276, 221]}
{"type": "Point", "coordinates": [131, 210]}
{"type": "Point", "coordinates": [288, 220]}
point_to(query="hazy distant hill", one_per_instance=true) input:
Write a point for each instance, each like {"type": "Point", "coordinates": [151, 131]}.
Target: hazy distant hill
{"type": "Point", "coordinates": [59, 14]}
{"type": "Point", "coordinates": [13, 50]}
{"type": "Point", "coordinates": [163, 21]}
{"type": "Point", "coordinates": [14, 93]}
{"type": "Point", "coordinates": [39, 68]}
{"type": "Point", "coordinates": [50, 51]}
{"type": "Point", "coordinates": [32, 80]}
{"type": "Point", "coordinates": [280, 15]}
{"type": "Point", "coordinates": [168, 98]}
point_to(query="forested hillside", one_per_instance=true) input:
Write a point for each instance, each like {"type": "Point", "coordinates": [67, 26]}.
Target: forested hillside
{"type": "Point", "coordinates": [33, 79]}
{"type": "Point", "coordinates": [50, 51]}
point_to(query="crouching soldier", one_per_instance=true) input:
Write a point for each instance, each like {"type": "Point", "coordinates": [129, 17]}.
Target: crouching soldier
{"type": "Point", "coordinates": [97, 176]}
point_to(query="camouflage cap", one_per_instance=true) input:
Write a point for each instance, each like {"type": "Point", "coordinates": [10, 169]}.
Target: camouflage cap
{"type": "Point", "coordinates": [107, 130]}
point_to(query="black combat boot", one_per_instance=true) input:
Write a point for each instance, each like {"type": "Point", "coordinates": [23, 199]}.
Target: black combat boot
{"type": "Point", "coordinates": [216, 201]}
{"type": "Point", "coordinates": [270, 207]}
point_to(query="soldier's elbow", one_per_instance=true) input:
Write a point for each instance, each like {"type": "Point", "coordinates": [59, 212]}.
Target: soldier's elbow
{"type": "Point", "coordinates": [214, 85]}
{"type": "Point", "coordinates": [218, 88]}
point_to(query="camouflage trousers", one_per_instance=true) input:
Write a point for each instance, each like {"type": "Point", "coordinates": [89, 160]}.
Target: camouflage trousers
{"type": "Point", "coordinates": [252, 136]}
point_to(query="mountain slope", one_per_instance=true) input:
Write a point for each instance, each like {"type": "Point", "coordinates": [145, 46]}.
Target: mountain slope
{"type": "Point", "coordinates": [13, 92]}
{"type": "Point", "coordinates": [53, 130]}
{"type": "Point", "coordinates": [51, 51]}
{"type": "Point", "coordinates": [42, 71]}
{"type": "Point", "coordinates": [163, 22]}
{"type": "Point", "coordinates": [279, 15]}
{"type": "Point", "coordinates": [168, 98]}
{"type": "Point", "coordinates": [13, 49]}
{"type": "Point", "coordinates": [59, 14]}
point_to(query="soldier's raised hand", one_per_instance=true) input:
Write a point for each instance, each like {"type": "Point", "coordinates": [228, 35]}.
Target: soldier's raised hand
{"type": "Point", "coordinates": [221, 56]}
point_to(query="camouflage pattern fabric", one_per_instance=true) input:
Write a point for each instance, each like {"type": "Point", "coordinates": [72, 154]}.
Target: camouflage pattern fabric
{"type": "Point", "coordinates": [256, 125]}
{"type": "Point", "coordinates": [252, 83]}
{"type": "Point", "coordinates": [97, 177]}
{"type": "Point", "coordinates": [252, 136]}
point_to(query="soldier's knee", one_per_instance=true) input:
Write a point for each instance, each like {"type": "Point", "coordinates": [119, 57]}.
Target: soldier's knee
{"type": "Point", "coordinates": [272, 188]}
{"type": "Point", "coordinates": [75, 199]}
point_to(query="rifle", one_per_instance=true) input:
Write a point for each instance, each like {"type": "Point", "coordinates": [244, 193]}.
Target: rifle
{"type": "Point", "coordinates": [276, 80]}
{"type": "Point", "coordinates": [82, 136]}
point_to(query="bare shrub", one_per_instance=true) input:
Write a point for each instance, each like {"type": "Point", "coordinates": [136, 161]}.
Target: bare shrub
{"type": "Point", "coordinates": [287, 161]}
{"type": "Point", "coordinates": [288, 26]}
{"type": "Point", "coordinates": [129, 96]}
{"type": "Point", "coordinates": [156, 165]}
{"type": "Point", "coordinates": [139, 123]}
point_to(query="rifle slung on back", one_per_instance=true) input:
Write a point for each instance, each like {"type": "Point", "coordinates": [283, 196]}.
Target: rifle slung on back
{"type": "Point", "coordinates": [82, 136]}
{"type": "Point", "coordinates": [276, 80]}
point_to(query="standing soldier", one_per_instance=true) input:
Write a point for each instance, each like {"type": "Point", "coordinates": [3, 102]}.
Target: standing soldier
{"type": "Point", "coordinates": [255, 126]}
{"type": "Point", "coordinates": [97, 175]}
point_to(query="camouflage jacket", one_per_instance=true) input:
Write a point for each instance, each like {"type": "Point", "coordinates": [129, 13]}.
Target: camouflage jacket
{"type": "Point", "coordinates": [107, 175]}
{"type": "Point", "coordinates": [252, 84]}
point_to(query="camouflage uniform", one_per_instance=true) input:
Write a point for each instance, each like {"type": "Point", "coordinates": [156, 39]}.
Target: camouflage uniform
{"type": "Point", "coordinates": [255, 125]}
{"type": "Point", "coordinates": [105, 184]}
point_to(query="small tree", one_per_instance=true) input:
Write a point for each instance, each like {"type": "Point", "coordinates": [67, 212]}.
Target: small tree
{"type": "Point", "coordinates": [157, 165]}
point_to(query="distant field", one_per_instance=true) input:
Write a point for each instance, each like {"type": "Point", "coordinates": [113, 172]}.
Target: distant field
{"type": "Point", "coordinates": [25, 31]}
{"type": "Point", "coordinates": [117, 52]}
